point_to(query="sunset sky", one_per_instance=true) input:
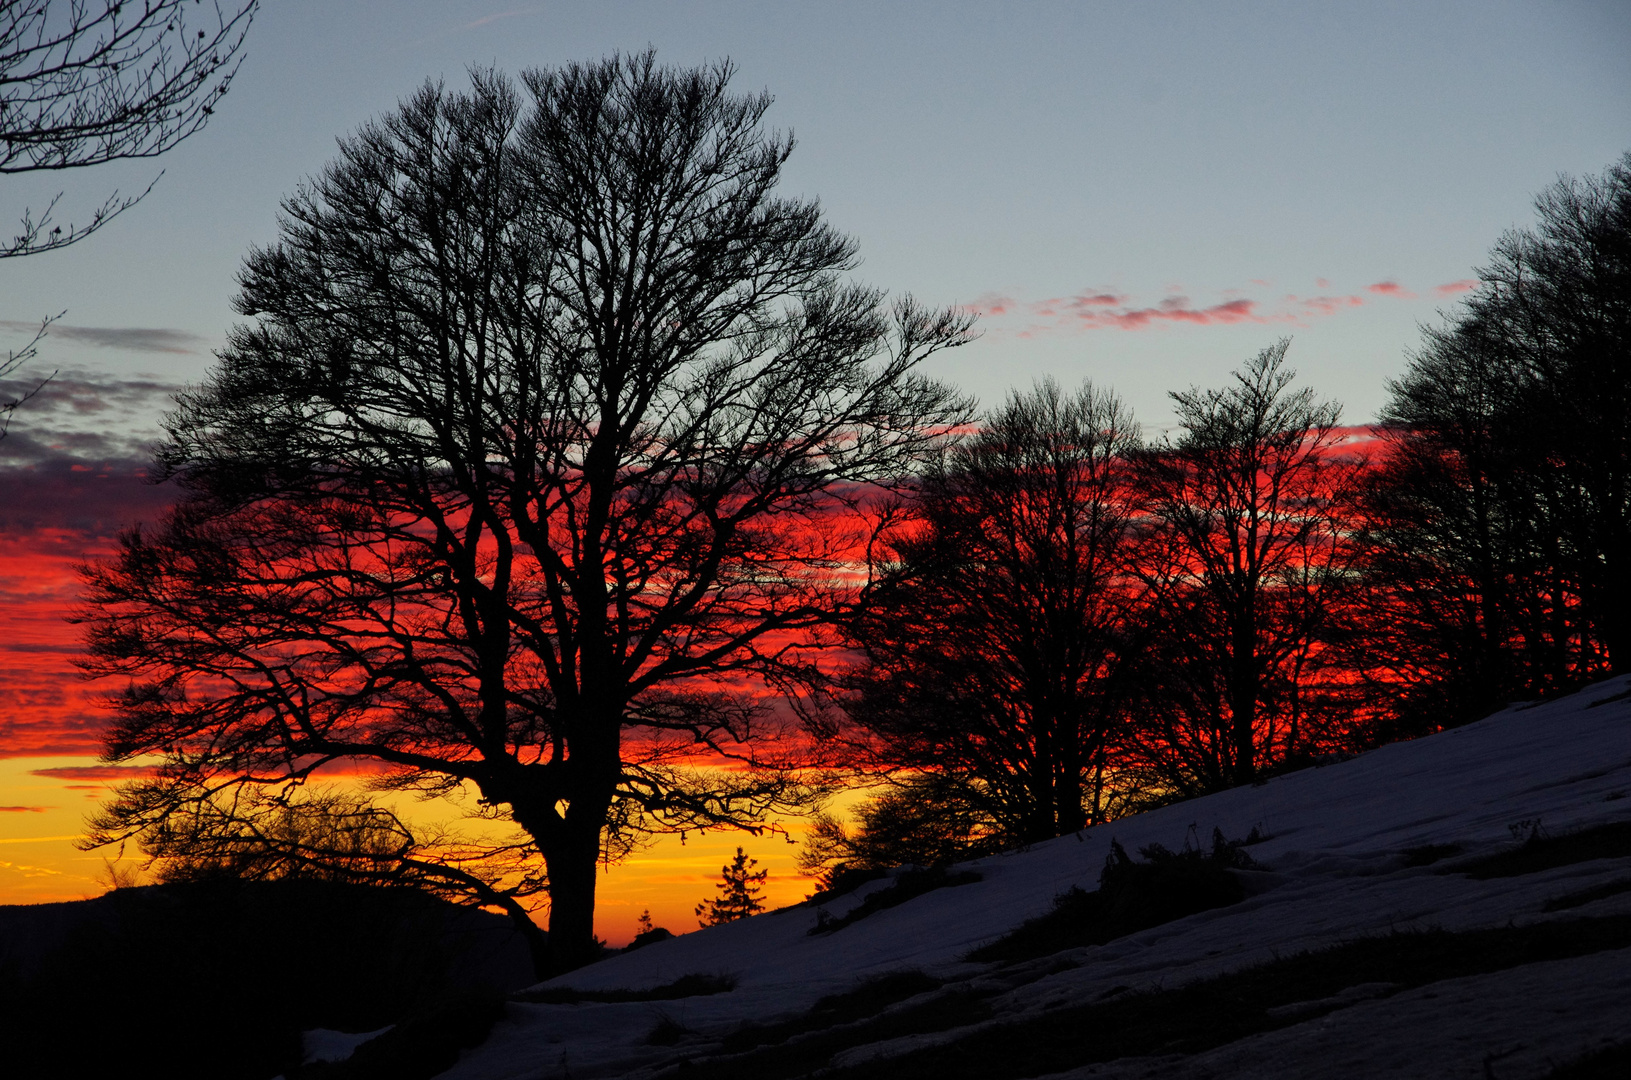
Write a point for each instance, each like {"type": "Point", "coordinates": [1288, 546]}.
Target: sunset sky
{"type": "Point", "coordinates": [1139, 194]}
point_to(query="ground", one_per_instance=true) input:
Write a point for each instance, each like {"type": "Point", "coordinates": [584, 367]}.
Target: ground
{"type": "Point", "coordinates": [1537, 971]}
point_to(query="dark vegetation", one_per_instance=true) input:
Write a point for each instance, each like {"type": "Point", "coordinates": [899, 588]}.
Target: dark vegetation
{"type": "Point", "coordinates": [1543, 852]}
{"type": "Point", "coordinates": [683, 987]}
{"type": "Point", "coordinates": [869, 998]}
{"type": "Point", "coordinates": [738, 896]}
{"type": "Point", "coordinates": [1609, 1063]}
{"type": "Point", "coordinates": [909, 884]}
{"type": "Point", "coordinates": [425, 1042]}
{"type": "Point", "coordinates": [928, 819]}
{"type": "Point", "coordinates": [1131, 896]}
{"type": "Point", "coordinates": [800, 1045]}
{"type": "Point", "coordinates": [841, 880]}
{"type": "Point", "coordinates": [1586, 896]}
{"type": "Point", "coordinates": [217, 979]}
{"type": "Point", "coordinates": [1185, 1020]}
{"type": "Point", "coordinates": [1428, 854]}
{"type": "Point", "coordinates": [1111, 625]}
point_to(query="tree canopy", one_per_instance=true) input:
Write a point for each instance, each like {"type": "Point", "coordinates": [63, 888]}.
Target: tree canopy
{"type": "Point", "coordinates": [526, 476]}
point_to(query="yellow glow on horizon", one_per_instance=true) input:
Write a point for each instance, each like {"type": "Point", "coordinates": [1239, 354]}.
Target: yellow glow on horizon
{"type": "Point", "coordinates": [669, 878]}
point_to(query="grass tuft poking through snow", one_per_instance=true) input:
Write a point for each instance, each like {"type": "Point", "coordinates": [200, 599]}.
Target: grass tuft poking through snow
{"type": "Point", "coordinates": [1612, 1063]}
{"type": "Point", "coordinates": [1428, 854]}
{"type": "Point", "coordinates": [1542, 852]}
{"type": "Point", "coordinates": [418, 1047]}
{"type": "Point", "coordinates": [683, 987]}
{"type": "Point", "coordinates": [1131, 896]}
{"type": "Point", "coordinates": [869, 998]}
{"type": "Point", "coordinates": [909, 885]}
{"type": "Point", "coordinates": [1202, 1015]}
{"type": "Point", "coordinates": [807, 1043]}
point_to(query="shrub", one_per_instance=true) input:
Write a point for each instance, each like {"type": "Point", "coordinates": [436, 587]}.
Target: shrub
{"type": "Point", "coordinates": [909, 885]}
{"type": "Point", "coordinates": [1131, 896]}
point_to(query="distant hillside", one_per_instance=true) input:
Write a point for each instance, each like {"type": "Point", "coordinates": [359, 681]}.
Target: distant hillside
{"type": "Point", "coordinates": [218, 979]}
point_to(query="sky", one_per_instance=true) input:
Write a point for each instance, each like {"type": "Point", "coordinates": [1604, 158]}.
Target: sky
{"type": "Point", "coordinates": [1143, 195]}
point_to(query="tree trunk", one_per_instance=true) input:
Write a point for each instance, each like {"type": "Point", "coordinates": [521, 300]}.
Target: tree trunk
{"type": "Point", "coordinates": [1244, 689]}
{"type": "Point", "coordinates": [572, 861]}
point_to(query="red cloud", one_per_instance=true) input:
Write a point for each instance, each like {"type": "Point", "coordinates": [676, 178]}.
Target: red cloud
{"type": "Point", "coordinates": [52, 515]}
{"type": "Point", "coordinates": [1391, 288]}
{"type": "Point", "coordinates": [1453, 287]}
{"type": "Point", "coordinates": [23, 809]}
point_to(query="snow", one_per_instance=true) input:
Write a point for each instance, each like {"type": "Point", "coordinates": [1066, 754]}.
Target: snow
{"type": "Point", "coordinates": [321, 1044]}
{"type": "Point", "coordinates": [1333, 872]}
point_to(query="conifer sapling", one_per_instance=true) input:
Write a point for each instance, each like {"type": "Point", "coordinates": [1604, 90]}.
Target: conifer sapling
{"type": "Point", "coordinates": [738, 893]}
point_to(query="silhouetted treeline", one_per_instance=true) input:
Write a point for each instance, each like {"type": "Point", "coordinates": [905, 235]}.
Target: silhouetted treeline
{"type": "Point", "coordinates": [1498, 528]}
{"type": "Point", "coordinates": [1067, 622]}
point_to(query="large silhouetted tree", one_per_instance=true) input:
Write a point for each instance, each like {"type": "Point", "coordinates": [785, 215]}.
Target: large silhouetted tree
{"type": "Point", "coordinates": [1499, 552]}
{"type": "Point", "coordinates": [527, 475]}
{"type": "Point", "coordinates": [1246, 546]}
{"type": "Point", "coordinates": [992, 633]}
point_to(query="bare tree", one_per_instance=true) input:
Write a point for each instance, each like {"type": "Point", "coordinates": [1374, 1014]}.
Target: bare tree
{"type": "Point", "coordinates": [83, 84]}
{"type": "Point", "coordinates": [531, 476]}
{"type": "Point", "coordinates": [991, 636]}
{"type": "Point", "coordinates": [1245, 550]}
{"type": "Point", "coordinates": [1498, 552]}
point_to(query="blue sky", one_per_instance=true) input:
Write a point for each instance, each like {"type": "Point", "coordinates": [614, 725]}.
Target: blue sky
{"type": "Point", "coordinates": [1143, 194]}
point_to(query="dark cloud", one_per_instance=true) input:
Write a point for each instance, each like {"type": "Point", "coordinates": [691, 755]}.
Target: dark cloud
{"type": "Point", "coordinates": [126, 338]}
{"type": "Point", "coordinates": [94, 772]}
{"type": "Point", "coordinates": [66, 505]}
{"type": "Point", "coordinates": [89, 417]}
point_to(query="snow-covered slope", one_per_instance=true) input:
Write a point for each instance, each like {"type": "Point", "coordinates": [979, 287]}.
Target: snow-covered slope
{"type": "Point", "coordinates": [1334, 873]}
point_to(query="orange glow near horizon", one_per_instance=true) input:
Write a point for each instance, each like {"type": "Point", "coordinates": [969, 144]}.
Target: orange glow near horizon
{"type": "Point", "coordinates": [51, 777]}
{"type": "Point", "coordinates": [47, 799]}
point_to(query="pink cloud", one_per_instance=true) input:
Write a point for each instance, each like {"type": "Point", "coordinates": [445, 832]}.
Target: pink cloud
{"type": "Point", "coordinates": [1106, 308]}
{"type": "Point", "coordinates": [992, 304]}
{"type": "Point", "coordinates": [1311, 306]}
{"type": "Point", "coordinates": [1111, 310]}
{"type": "Point", "coordinates": [1453, 287]}
{"type": "Point", "coordinates": [1321, 283]}
{"type": "Point", "coordinates": [1178, 309]}
{"type": "Point", "coordinates": [1083, 305]}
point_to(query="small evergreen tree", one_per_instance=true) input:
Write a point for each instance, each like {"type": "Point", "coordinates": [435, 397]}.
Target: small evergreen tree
{"type": "Point", "coordinates": [738, 893]}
